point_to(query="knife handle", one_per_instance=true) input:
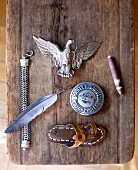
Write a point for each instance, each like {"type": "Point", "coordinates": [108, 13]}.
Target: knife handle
{"type": "Point", "coordinates": [24, 80]}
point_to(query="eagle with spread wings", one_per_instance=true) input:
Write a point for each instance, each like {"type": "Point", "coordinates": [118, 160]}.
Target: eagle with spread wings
{"type": "Point", "coordinates": [66, 60]}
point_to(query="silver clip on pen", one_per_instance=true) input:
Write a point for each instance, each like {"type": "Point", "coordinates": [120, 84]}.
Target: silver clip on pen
{"type": "Point", "coordinates": [24, 80]}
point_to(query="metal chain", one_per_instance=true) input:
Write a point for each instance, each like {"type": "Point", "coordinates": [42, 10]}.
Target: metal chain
{"type": "Point", "coordinates": [24, 80]}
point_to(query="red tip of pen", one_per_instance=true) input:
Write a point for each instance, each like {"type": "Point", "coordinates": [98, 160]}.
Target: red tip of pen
{"type": "Point", "coordinates": [120, 91]}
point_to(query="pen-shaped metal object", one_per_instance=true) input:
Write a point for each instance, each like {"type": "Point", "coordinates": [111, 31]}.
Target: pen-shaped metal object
{"type": "Point", "coordinates": [24, 79]}
{"type": "Point", "coordinates": [115, 75]}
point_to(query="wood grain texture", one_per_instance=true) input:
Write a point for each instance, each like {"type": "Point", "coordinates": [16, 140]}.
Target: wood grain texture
{"type": "Point", "coordinates": [110, 21]}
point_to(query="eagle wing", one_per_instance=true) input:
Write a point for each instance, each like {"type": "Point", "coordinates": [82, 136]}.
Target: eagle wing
{"type": "Point", "coordinates": [49, 49]}
{"type": "Point", "coordinates": [83, 53]}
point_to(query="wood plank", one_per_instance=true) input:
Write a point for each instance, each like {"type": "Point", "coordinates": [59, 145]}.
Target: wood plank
{"type": "Point", "coordinates": [136, 32]}
{"type": "Point", "coordinates": [126, 55]}
{"type": "Point", "coordinates": [12, 63]}
{"type": "Point", "coordinates": [82, 21]}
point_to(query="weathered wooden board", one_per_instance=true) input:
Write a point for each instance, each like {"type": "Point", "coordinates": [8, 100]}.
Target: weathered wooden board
{"type": "Point", "coordinates": [110, 21]}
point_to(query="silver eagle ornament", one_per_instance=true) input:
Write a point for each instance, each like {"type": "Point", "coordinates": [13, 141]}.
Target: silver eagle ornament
{"type": "Point", "coordinates": [66, 60]}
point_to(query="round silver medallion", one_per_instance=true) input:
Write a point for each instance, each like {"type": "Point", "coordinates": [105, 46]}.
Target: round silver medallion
{"type": "Point", "coordinates": [86, 98]}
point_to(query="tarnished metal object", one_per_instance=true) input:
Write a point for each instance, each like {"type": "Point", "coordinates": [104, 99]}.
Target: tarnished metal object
{"type": "Point", "coordinates": [24, 79]}
{"type": "Point", "coordinates": [86, 98]}
{"type": "Point", "coordinates": [66, 60]}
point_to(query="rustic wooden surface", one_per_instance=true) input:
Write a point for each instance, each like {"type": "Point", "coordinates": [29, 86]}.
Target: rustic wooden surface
{"type": "Point", "coordinates": [83, 21]}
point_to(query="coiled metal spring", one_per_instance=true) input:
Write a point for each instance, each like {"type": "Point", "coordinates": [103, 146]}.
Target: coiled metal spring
{"type": "Point", "coordinates": [24, 81]}
{"type": "Point", "coordinates": [24, 104]}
